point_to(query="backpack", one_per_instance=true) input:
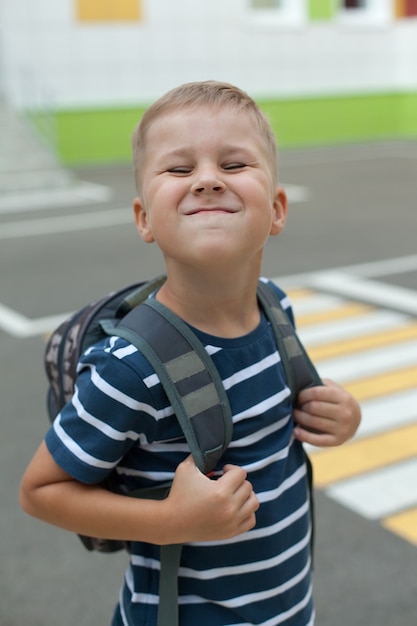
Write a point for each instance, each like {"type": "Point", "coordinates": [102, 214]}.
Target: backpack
{"type": "Point", "coordinates": [190, 380]}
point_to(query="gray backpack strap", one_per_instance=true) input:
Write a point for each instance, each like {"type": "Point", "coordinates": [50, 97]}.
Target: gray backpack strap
{"type": "Point", "coordinates": [188, 375]}
{"type": "Point", "coordinates": [299, 369]}
{"type": "Point", "coordinates": [197, 395]}
{"type": "Point", "coordinates": [170, 558]}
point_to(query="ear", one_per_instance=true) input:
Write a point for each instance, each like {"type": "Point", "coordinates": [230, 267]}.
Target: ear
{"type": "Point", "coordinates": [280, 207]}
{"type": "Point", "coordinates": [142, 222]}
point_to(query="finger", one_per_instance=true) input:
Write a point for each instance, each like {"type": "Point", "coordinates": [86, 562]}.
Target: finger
{"type": "Point", "coordinates": [233, 476]}
{"type": "Point", "coordinates": [240, 489]}
{"type": "Point", "coordinates": [228, 467]}
{"type": "Point", "coordinates": [313, 438]}
{"type": "Point", "coordinates": [246, 523]}
{"type": "Point", "coordinates": [188, 465]}
{"type": "Point", "coordinates": [315, 423]}
{"type": "Point", "coordinates": [328, 392]}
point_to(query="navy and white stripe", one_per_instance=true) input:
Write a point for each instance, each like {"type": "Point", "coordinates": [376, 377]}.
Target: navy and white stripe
{"type": "Point", "coordinates": [120, 419]}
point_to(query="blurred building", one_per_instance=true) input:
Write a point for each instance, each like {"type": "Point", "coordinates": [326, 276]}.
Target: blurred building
{"type": "Point", "coordinates": [324, 70]}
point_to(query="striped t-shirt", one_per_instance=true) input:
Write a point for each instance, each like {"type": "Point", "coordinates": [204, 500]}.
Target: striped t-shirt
{"type": "Point", "coordinates": [120, 419]}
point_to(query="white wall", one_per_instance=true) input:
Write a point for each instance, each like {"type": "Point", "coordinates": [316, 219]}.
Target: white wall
{"type": "Point", "coordinates": [49, 59]}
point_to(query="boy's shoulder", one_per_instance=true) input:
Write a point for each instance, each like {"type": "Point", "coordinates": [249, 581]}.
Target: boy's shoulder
{"type": "Point", "coordinates": [114, 352]}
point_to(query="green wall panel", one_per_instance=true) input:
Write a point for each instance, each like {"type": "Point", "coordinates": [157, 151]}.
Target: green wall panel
{"type": "Point", "coordinates": [94, 136]}
{"type": "Point", "coordinates": [333, 119]}
{"type": "Point", "coordinates": [408, 115]}
{"type": "Point", "coordinates": [321, 9]}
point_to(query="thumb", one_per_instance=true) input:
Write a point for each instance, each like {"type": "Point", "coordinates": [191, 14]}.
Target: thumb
{"type": "Point", "coordinates": [188, 464]}
{"type": "Point", "coordinates": [229, 468]}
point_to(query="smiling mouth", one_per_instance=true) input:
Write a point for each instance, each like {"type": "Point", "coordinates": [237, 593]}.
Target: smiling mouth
{"type": "Point", "coordinates": [208, 210]}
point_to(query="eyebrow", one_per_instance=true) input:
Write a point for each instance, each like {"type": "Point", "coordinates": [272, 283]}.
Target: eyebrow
{"type": "Point", "coordinates": [187, 152]}
{"type": "Point", "coordinates": [177, 153]}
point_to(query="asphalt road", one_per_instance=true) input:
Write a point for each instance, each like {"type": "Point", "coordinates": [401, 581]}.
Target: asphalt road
{"type": "Point", "coordinates": [352, 206]}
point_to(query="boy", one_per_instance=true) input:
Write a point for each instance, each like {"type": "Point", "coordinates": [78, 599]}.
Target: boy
{"type": "Point", "coordinates": [206, 175]}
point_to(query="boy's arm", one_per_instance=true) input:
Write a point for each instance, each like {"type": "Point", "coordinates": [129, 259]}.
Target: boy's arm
{"type": "Point", "coordinates": [326, 416]}
{"type": "Point", "coordinates": [197, 508]}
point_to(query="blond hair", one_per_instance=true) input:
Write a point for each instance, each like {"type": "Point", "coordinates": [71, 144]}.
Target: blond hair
{"type": "Point", "coordinates": [206, 93]}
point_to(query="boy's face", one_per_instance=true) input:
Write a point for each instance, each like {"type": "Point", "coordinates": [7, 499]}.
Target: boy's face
{"type": "Point", "coordinates": [208, 193]}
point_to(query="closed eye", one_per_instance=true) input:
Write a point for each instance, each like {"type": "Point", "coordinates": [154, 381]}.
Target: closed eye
{"type": "Point", "coordinates": [234, 166]}
{"type": "Point", "coordinates": [179, 170]}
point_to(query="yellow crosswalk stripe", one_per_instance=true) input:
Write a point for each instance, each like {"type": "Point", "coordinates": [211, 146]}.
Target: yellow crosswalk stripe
{"type": "Point", "coordinates": [299, 293]}
{"type": "Point", "coordinates": [383, 384]}
{"type": "Point", "coordinates": [367, 342]}
{"type": "Point", "coordinates": [364, 455]}
{"type": "Point", "coordinates": [403, 524]}
{"type": "Point", "coordinates": [350, 309]}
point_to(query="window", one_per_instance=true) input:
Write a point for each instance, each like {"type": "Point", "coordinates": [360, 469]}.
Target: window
{"type": "Point", "coordinates": [364, 12]}
{"type": "Point", "coordinates": [271, 13]}
{"type": "Point", "coordinates": [406, 8]}
{"type": "Point", "coordinates": [354, 4]}
{"type": "Point", "coordinates": [108, 10]}
{"type": "Point", "coordinates": [266, 4]}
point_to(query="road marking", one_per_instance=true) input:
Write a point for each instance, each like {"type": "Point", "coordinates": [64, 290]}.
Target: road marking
{"type": "Point", "coordinates": [383, 385]}
{"type": "Point", "coordinates": [362, 343]}
{"type": "Point", "coordinates": [65, 223]}
{"type": "Point", "coordinates": [374, 269]}
{"type": "Point", "coordinates": [378, 361]}
{"type": "Point", "coordinates": [364, 455]}
{"type": "Point", "coordinates": [377, 320]}
{"type": "Point", "coordinates": [359, 328]}
{"type": "Point", "coordinates": [77, 194]}
{"type": "Point", "coordinates": [403, 524]}
{"type": "Point", "coordinates": [381, 493]}
{"type": "Point", "coordinates": [349, 309]}
{"type": "Point", "coordinates": [385, 267]}
{"type": "Point", "coordinates": [314, 302]}
{"type": "Point", "coordinates": [297, 193]}
{"type": "Point", "coordinates": [381, 294]}
{"type": "Point", "coordinates": [20, 326]}
{"type": "Point", "coordinates": [387, 412]}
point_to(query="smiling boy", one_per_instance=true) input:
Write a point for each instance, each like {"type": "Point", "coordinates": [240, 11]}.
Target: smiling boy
{"type": "Point", "coordinates": [208, 195]}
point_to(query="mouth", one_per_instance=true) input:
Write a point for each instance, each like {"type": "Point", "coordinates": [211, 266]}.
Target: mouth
{"type": "Point", "coordinates": [212, 209]}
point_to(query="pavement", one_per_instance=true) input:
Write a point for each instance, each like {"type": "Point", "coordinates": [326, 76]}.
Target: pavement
{"type": "Point", "coordinates": [348, 259]}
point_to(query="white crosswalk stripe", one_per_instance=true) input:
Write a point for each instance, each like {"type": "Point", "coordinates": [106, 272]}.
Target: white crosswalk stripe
{"type": "Point", "coordinates": [380, 493]}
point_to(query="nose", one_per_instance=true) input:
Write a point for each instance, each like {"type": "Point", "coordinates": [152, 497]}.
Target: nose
{"type": "Point", "coordinates": [208, 182]}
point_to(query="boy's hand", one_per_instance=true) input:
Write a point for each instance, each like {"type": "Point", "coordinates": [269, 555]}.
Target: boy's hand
{"type": "Point", "coordinates": [326, 416]}
{"type": "Point", "coordinates": [202, 509]}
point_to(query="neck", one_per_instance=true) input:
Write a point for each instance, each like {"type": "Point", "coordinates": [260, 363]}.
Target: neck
{"type": "Point", "coordinates": [221, 305]}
